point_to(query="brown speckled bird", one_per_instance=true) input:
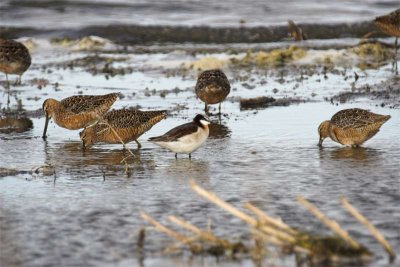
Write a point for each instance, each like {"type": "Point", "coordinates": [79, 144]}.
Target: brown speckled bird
{"type": "Point", "coordinates": [351, 126]}
{"type": "Point", "coordinates": [77, 112]}
{"type": "Point", "coordinates": [14, 58]}
{"type": "Point", "coordinates": [390, 24]}
{"type": "Point", "coordinates": [128, 124]}
{"type": "Point", "coordinates": [212, 87]}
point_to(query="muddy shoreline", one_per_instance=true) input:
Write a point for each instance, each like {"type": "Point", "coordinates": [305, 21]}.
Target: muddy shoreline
{"type": "Point", "coordinates": [139, 34]}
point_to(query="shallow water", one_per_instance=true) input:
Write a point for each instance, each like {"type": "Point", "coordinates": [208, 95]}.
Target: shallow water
{"type": "Point", "coordinates": [88, 212]}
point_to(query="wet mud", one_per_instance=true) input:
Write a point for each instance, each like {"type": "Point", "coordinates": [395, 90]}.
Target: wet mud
{"type": "Point", "coordinates": [139, 34]}
{"type": "Point", "coordinates": [385, 94]}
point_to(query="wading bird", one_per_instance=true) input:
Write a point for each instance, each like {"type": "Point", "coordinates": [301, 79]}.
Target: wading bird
{"type": "Point", "coordinates": [351, 126]}
{"type": "Point", "coordinates": [122, 125]}
{"type": "Point", "coordinates": [185, 138]}
{"type": "Point", "coordinates": [77, 112]}
{"type": "Point", "coordinates": [212, 87]}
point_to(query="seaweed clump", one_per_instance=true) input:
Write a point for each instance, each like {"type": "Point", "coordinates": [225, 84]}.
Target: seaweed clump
{"type": "Point", "coordinates": [273, 58]}
{"type": "Point", "coordinates": [375, 51]}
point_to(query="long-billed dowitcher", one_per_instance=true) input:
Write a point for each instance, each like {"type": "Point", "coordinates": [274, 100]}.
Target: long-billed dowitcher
{"type": "Point", "coordinates": [212, 87]}
{"type": "Point", "coordinates": [390, 24]}
{"type": "Point", "coordinates": [128, 124]}
{"type": "Point", "coordinates": [14, 58]}
{"type": "Point", "coordinates": [185, 138]}
{"type": "Point", "coordinates": [77, 112]}
{"type": "Point", "coordinates": [351, 126]}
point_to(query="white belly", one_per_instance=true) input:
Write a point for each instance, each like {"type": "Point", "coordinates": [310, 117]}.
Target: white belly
{"type": "Point", "coordinates": [186, 144]}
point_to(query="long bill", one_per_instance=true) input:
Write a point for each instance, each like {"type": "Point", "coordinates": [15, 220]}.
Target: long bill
{"type": "Point", "coordinates": [45, 127]}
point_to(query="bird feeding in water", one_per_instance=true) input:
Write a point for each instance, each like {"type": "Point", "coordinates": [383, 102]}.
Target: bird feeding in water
{"type": "Point", "coordinates": [185, 138]}
{"type": "Point", "coordinates": [77, 112]}
{"type": "Point", "coordinates": [212, 87]}
{"type": "Point", "coordinates": [351, 126]}
{"type": "Point", "coordinates": [123, 125]}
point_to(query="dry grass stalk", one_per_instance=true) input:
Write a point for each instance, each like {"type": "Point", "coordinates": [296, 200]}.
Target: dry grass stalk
{"type": "Point", "coordinates": [124, 160]}
{"type": "Point", "coordinates": [179, 237]}
{"type": "Point", "coordinates": [241, 215]}
{"type": "Point", "coordinates": [262, 216]}
{"type": "Point", "coordinates": [375, 233]}
{"type": "Point", "coordinates": [331, 224]}
{"type": "Point", "coordinates": [202, 234]}
{"type": "Point", "coordinates": [119, 137]}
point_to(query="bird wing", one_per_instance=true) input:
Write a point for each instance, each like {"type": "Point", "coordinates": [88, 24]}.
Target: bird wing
{"type": "Point", "coordinates": [127, 118]}
{"type": "Point", "coordinates": [353, 118]}
{"type": "Point", "coordinates": [215, 77]}
{"type": "Point", "coordinates": [11, 50]}
{"type": "Point", "coordinates": [177, 132]}
{"type": "Point", "coordinates": [86, 103]}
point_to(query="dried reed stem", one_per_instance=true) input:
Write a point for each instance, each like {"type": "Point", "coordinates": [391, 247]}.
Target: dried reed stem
{"type": "Point", "coordinates": [203, 234]}
{"type": "Point", "coordinates": [331, 224]}
{"type": "Point", "coordinates": [179, 237]}
{"type": "Point", "coordinates": [375, 233]}
{"type": "Point", "coordinates": [119, 137]}
{"type": "Point", "coordinates": [262, 216]}
{"type": "Point", "coordinates": [241, 215]}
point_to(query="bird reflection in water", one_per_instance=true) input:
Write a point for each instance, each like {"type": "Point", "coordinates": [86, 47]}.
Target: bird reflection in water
{"type": "Point", "coordinates": [188, 169]}
{"type": "Point", "coordinates": [70, 157]}
{"type": "Point", "coordinates": [218, 131]}
{"type": "Point", "coordinates": [357, 154]}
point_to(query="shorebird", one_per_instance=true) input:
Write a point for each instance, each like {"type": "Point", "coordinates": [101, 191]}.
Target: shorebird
{"type": "Point", "coordinates": [351, 126]}
{"type": "Point", "coordinates": [77, 112]}
{"type": "Point", "coordinates": [185, 138]}
{"type": "Point", "coordinates": [14, 58]}
{"type": "Point", "coordinates": [123, 125]}
{"type": "Point", "coordinates": [212, 87]}
{"type": "Point", "coordinates": [390, 24]}
{"type": "Point", "coordinates": [295, 32]}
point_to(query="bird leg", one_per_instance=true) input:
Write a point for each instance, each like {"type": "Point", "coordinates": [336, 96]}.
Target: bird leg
{"type": "Point", "coordinates": [176, 155]}
{"type": "Point", "coordinates": [7, 82]}
{"type": "Point", "coordinates": [18, 81]}
{"type": "Point", "coordinates": [395, 54]}
{"type": "Point", "coordinates": [138, 144]}
{"type": "Point", "coordinates": [219, 108]}
{"type": "Point", "coordinates": [8, 91]}
{"type": "Point", "coordinates": [205, 108]}
{"type": "Point", "coordinates": [190, 156]}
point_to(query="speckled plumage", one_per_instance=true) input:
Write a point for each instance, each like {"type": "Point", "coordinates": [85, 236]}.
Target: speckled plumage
{"type": "Point", "coordinates": [352, 126]}
{"type": "Point", "coordinates": [390, 23]}
{"type": "Point", "coordinates": [77, 112]}
{"type": "Point", "coordinates": [14, 57]}
{"type": "Point", "coordinates": [128, 124]}
{"type": "Point", "coordinates": [212, 87]}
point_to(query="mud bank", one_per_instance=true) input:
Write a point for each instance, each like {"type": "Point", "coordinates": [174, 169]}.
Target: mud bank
{"type": "Point", "coordinates": [384, 94]}
{"type": "Point", "coordinates": [138, 34]}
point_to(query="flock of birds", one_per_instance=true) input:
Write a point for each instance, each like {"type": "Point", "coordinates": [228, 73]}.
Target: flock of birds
{"type": "Point", "coordinates": [347, 127]}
